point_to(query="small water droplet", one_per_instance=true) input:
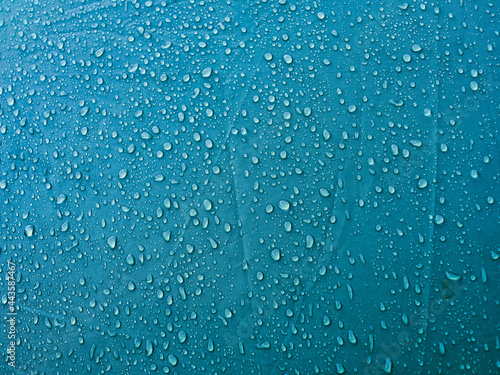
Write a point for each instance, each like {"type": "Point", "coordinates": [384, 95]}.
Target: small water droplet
{"type": "Point", "coordinates": [284, 205]}
{"type": "Point", "coordinates": [112, 241]}
{"type": "Point", "coordinates": [288, 59]}
{"type": "Point", "coordinates": [422, 183]}
{"type": "Point", "coordinates": [439, 219]}
{"type": "Point", "coordinates": [122, 174]}
{"type": "Point", "coordinates": [29, 230]}
{"type": "Point", "coordinates": [207, 72]}
{"type": "Point", "coordinates": [61, 198]}
{"type": "Point", "coordinates": [276, 255]}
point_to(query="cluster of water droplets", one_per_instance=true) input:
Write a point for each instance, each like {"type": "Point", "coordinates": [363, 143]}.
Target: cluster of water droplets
{"type": "Point", "coordinates": [259, 188]}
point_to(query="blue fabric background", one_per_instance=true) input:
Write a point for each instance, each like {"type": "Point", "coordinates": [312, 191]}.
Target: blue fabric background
{"type": "Point", "coordinates": [251, 187]}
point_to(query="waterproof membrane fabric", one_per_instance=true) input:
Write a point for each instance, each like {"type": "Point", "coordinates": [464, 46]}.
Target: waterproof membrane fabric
{"type": "Point", "coordinates": [249, 187]}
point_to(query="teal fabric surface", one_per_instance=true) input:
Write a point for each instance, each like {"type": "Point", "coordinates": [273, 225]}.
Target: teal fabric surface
{"type": "Point", "coordinates": [249, 187]}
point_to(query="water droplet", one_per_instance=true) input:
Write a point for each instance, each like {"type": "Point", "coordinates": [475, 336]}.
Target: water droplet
{"type": "Point", "coordinates": [29, 230]}
{"type": "Point", "coordinates": [207, 72]}
{"type": "Point", "coordinates": [182, 337]}
{"type": "Point", "coordinates": [388, 366]}
{"type": "Point", "coordinates": [395, 150]}
{"type": "Point", "coordinates": [149, 347]}
{"type": "Point", "coordinates": [122, 174]}
{"type": "Point", "coordinates": [112, 241]}
{"type": "Point", "coordinates": [207, 204]}
{"type": "Point", "coordinates": [210, 346]}
{"type": "Point", "coordinates": [132, 68]}
{"type": "Point", "coordinates": [324, 192]}
{"type": "Point", "coordinates": [268, 56]}
{"type": "Point", "coordinates": [130, 259]}
{"type": "Point", "coordinates": [61, 198]}
{"type": "Point", "coordinates": [264, 345]}
{"type": "Point", "coordinates": [453, 276]}
{"type": "Point", "coordinates": [276, 255]}
{"type": "Point", "coordinates": [326, 321]}
{"type": "Point", "coordinates": [422, 183]}
{"type": "Point", "coordinates": [99, 52]}
{"type": "Point", "coordinates": [326, 135]}
{"type": "Point", "coordinates": [442, 349]}
{"type": "Point", "coordinates": [288, 59]}
{"type": "Point", "coordinates": [416, 143]}
{"type": "Point", "coordinates": [131, 286]}
{"type": "Point", "coordinates": [284, 205]}
{"type": "Point", "coordinates": [439, 219]}
{"type": "Point", "coordinates": [309, 241]}
{"type": "Point", "coordinates": [416, 48]}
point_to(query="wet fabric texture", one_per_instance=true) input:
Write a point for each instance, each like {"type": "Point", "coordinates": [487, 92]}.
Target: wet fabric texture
{"type": "Point", "coordinates": [250, 187]}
